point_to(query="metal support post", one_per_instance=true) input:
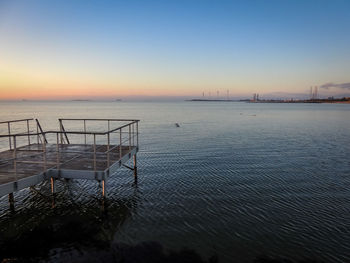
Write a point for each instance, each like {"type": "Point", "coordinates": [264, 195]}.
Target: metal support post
{"type": "Point", "coordinates": [95, 152]}
{"type": "Point", "coordinates": [28, 132]}
{"type": "Point", "coordinates": [135, 167]}
{"type": "Point", "coordinates": [15, 157]}
{"type": "Point", "coordinates": [120, 144]}
{"type": "Point", "coordinates": [9, 131]}
{"type": "Point", "coordinates": [52, 185]}
{"type": "Point", "coordinates": [12, 201]}
{"type": "Point", "coordinates": [103, 188]}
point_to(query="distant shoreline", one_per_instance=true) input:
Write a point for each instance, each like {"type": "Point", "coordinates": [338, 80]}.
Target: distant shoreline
{"type": "Point", "coordinates": [341, 101]}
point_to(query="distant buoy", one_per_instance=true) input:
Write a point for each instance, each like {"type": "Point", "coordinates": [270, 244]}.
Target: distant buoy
{"type": "Point", "coordinates": [177, 125]}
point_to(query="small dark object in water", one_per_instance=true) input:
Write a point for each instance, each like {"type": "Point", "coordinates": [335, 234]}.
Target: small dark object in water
{"type": "Point", "coordinates": [177, 125]}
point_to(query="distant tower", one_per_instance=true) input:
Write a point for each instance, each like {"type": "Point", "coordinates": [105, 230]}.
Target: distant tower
{"type": "Point", "coordinates": [257, 96]}
{"type": "Point", "coordinates": [311, 96]}
{"type": "Point", "coordinates": [316, 90]}
{"type": "Point", "coordinates": [217, 94]}
{"type": "Point", "coordinates": [203, 94]}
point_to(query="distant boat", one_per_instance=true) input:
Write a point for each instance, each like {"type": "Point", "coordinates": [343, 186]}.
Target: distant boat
{"type": "Point", "coordinates": [177, 125]}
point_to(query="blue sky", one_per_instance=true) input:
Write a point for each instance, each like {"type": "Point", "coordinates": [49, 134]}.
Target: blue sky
{"type": "Point", "coordinates": [172, 47]}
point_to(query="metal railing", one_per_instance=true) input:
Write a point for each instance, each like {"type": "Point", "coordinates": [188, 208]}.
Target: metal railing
{"type": "Point", "coordinates": [117, 135]}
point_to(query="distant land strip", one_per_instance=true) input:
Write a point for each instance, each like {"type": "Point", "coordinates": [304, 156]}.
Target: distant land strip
{"type": "Point", "coordinates": [329, 100]}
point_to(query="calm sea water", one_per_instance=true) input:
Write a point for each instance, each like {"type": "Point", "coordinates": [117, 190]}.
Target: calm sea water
{"type": "Point", "coordinates": [235, 181]}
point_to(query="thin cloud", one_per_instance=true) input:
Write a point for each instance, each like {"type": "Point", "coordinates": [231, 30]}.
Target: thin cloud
{"type": "Point", "coordinates": [334, 85]}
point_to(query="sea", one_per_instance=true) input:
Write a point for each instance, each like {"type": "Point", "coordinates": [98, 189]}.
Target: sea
{"type": "Point", "coordinates": [235, 182]}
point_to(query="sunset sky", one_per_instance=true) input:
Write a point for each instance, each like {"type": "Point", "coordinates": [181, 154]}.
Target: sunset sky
{"type": "Point", "coordinates": [104, 49]}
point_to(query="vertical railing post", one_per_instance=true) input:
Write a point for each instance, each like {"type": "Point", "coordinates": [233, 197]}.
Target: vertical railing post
{"type": "Point", "coordinates": [120, 143]}
{"type": "Point", "coordinates": [61, 130]}
{"type": "Point", "coordinates": [44, 153]}
{"type": "Point", "coordinates": [9, 131]}
{"type": "Point", "coordinates": [103, 188]}
{"type": "Point", "coordinates": [28, 132]}
{"type": "Point", "coordinates": [94, 152]}
{"type": "Point", "coordinates": [57, 152]}
{"type": "Point", "coordinates": [85, 131]}
{"type": "Point", "coordinates": [135, 168]}
{"type": "Point", "coordinates": [133, 134]}
{"type": "Point", "coordinates": [137, 135]}
{"type": "Point", "coordinates": [108, 147]}
{"type": "Point", "coordinates": [15, 157]}
{"type": "Point", "coordinates": [129, 137]}
{"type": "Point", "coordinates": [37, 134]}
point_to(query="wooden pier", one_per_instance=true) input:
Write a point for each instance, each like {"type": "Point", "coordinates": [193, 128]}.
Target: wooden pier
{"type": "Point", "coordinates": [90, 149]}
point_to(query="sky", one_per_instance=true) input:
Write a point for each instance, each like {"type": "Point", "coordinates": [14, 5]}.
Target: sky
{"type": "Point", "coordinates": [114, 49]}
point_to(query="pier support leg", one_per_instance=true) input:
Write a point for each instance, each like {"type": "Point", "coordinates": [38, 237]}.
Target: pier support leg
{"type": "Point", "coordinates": [52, 185]}
{"type": "Point", "coordinates": [135, 168]}
{"type": "Point", "coordinates": [103, 188]}
{"type": "Point", "coordinates": [12, 202]}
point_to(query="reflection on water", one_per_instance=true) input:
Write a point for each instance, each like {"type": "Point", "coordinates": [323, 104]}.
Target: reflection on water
{"type": "Point", "coordinates": [50, 226]}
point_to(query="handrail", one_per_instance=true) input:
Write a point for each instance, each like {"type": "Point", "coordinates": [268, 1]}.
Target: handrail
{"type": "Point", "coordinates": [2, 122]}
{"type": "Point", "coordinates": [68, 132]}
{"type": "Point", "coordinates": [97, 119]}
